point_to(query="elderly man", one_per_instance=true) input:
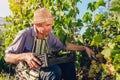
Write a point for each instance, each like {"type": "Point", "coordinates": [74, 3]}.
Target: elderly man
{"type": "Point", "coordinates": [21, 50]}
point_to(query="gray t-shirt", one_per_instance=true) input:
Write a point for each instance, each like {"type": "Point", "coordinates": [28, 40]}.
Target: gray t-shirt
{"type": "Point", "coordinates": [24, 42]}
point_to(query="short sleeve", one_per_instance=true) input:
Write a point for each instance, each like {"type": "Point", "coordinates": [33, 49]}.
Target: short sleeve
{"type": "Point", "coordinates": [18, 44]}
{"type": "Point", "coordinates": [55, 43]}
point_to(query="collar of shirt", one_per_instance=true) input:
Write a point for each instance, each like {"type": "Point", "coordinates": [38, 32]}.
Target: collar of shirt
{"type": "Point", "coordinates": [34, 32]}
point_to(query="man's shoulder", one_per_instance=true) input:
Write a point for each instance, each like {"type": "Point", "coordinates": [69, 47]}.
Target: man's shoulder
{"type": "Point", "coordinates": [51, 34]}
{"type": "Point", "coordinates": [26, 31]}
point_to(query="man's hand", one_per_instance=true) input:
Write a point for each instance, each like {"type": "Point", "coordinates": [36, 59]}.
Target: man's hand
{"type": "Point", "coordinates": [89, 52]}
{"type": "Point", "coordinates": [80, 48]}
{"type": "Point", "coordinates": [31, 60]}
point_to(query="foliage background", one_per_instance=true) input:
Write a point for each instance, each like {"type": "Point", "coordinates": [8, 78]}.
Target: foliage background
{"type": "Point", "coordinates": [102, 33]}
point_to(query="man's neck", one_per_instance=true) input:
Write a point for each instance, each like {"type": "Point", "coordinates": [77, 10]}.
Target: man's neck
{"type": "Point", "coordinates": [41, 36]}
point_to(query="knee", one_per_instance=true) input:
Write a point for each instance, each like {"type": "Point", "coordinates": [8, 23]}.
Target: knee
{"type": "Point", "coordinates": [57, 70]}
{"type": "Point", "coordinates": [56, 73]}
{"type": "Point", "coordinates": [52, 73]}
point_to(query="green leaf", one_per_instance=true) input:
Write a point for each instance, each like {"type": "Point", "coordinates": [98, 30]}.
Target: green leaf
{"type": "Point", "coordinates": [118, 38]}
{"type": "Point", "coordinates": [117, 76]}
{"type": "Point", "coordinates": [101, 3]}
{"type": "Point", "coordinates": [89, 33]}
{"type": "Point", "coordinates": [117, 8]}
{"type": "Point", "coordinates": [111, 45]}
{"type": "Point", "coordinates": [97, 39]}
{"type": "Point", "coordinates": [98, 19]}
{"type": "Point", "coordinates": [87, 18]}
{"type": "Point", "coordinates": [107, 53]}
{"type": "Point", "coordinates": [96, 5]}
{"type": "Point", "coordinates": [65, 30]}
{"type": "Point", "coordinates": [91, 6]}
{"type": "Point", "coordinates": [116, 62]}
{"type": "Point", "coordinates": [60, 13]}
{"type": "Point", "coordinates": [79, 22]}
{"type": "Point", "coordinates": [109, 23]}
{"type": "Point", "coordinates": [80, 38]}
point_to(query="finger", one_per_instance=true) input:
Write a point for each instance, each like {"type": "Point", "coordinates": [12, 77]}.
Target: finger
{"type": "Point", "coordinates": [93, 53]}
{"type": "Point", "coordinates": [30, 65]}
{"type": "Point", "coordinates": [37, 61]}
{"type": "Point", "coordinates": [89, 56]}
{"type": "Point", "coordinates": [34, 65]}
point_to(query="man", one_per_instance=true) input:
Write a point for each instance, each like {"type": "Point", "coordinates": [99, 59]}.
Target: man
{"type": "Point", "coordinates": [21, 50]}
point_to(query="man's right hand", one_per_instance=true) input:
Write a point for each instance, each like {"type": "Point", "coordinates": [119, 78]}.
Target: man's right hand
{"type": "Point", "coordinates": [32, 61]}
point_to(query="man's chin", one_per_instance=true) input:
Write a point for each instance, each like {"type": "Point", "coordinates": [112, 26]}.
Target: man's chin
{"type": "Point", "coordinates": [47, 33]}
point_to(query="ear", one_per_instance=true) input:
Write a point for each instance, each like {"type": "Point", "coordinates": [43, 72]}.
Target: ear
{"type": "Point", "coordinates": [41, 30]}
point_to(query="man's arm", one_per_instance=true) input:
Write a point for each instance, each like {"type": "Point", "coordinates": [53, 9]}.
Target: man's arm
{"type": "Point", "coordinates": [79, 48]}
{"type": "Point", "coordinates": [30, 58]}
{"type": "Point", "coordinates": [57, 44]}
{"type": "Point", "coordinates": [14, 58]}
{"type": "Point", "coordinates": [75, 47]}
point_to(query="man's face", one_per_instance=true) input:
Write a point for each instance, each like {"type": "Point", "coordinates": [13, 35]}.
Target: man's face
{"type": "Point", "coordinates": [44, 28]}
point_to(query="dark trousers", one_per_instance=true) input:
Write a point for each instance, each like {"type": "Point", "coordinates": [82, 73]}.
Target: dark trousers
{"type": "Point", "coordinates": [68, 71]}
{"type": "Point", "coordinates": [65, 70]}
